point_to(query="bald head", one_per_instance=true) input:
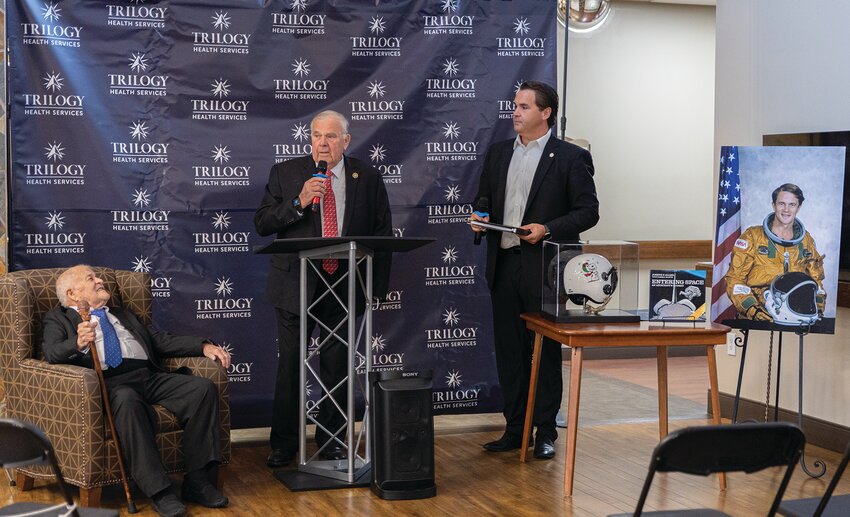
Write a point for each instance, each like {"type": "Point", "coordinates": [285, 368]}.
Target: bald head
{"type": "Point", "coordinates": [81, 283]}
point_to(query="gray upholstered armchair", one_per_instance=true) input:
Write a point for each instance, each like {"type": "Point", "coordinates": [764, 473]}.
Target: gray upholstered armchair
{"type": "Point", "coordinates": [64, 400]}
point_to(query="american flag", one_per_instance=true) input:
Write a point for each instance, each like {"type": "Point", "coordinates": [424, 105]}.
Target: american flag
{"type": "Point", "coordinates": [728, 231]}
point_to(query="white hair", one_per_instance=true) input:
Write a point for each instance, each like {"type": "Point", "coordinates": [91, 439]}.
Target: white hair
{"type": "Point", "coordinates": [69, 279]}
{"type": "Point", "coordinates": [332, 114]}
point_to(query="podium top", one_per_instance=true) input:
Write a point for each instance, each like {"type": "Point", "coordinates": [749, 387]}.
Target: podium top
{"type": "Point", "coordinates": [396, 244]}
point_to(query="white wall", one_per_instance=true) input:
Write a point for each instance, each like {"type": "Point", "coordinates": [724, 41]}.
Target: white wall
{"type": "Point", "coordinates": [641, 89]}
{"type": "Point", "coordinates": [783, 69]}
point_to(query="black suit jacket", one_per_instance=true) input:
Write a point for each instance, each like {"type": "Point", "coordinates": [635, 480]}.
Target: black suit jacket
{"type": "Point", "coordinates": [562, 196]}
{"type": "Point", "coordinates": [367, 213]}
{"type": "Point", "coordinates": [60, 338]}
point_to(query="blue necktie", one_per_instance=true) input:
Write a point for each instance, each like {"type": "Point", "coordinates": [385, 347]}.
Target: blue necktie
{"type": "Point", "coordinates": [111, 345]}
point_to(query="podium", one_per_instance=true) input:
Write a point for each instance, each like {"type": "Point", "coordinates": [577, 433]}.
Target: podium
{"type": "Point", "coordinates": [314, 473]}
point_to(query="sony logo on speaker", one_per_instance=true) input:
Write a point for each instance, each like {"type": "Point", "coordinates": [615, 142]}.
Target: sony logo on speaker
{"type": "Point", "coordinates": [455, 395]}
{"type": "Point", "coordinates": [452, 334]}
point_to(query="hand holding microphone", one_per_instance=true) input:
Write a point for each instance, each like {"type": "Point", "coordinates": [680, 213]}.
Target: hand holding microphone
{"type": "Point", "coordinates": [321, 172]}
{"type": "Point", "coordinates": [482, 211]}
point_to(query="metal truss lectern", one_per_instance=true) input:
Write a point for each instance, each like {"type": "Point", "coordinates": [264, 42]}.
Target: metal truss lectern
{"type": "Point", "coordinates": [356, 260]}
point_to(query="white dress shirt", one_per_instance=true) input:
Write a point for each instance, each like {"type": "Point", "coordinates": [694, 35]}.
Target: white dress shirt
{"type": "Point", "coordinates": [130, 346]}
{"type": "Point", "coordinates": [520, 175]}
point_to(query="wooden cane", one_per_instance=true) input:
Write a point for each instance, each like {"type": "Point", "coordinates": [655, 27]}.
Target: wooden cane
{"type": "Point", "coordinates": [85, 313]}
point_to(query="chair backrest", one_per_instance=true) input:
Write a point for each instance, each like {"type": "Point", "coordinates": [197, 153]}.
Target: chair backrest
{"type": "Point", "coordinates": [23, 444]}
{"type": "Point", "coordinates": [704, 450]}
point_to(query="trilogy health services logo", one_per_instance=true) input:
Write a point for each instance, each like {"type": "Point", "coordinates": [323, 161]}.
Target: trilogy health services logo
{"type": "Point", "coordinates": [376, 45]}
{"type": "Point", "coordinates": [454, 395]}
{"type": "Point", "coordinates": [221, 241]}
{"type": "Point", "coordinates": [219, 108]}
{"type": "Point", "coordinates": [53, 103]}
{"type": "Point", "coordinates": [139, 152]}
{"type": "Point", "coordinates": [452, 335]}
{"type": "Point", "coordinates": [225, 306]}
{"type": "Point", "coordinates": [238, 372]}
{"type": "Point", "coordinates": [140, 220]}
{"type": "Point", "coordinates": [220, 40]}
{"type": "Point", "coordinates": [389, 302]}
{"type": "Point", "coordinates": [55, 241]}
{"type": "Point", "coordinates": [299, 144]}
{"type": "Point", "coordinates": [390, 172]}
{"type": "Point", "coordinates": [507, 106]}
{"type": "Point", "coordinates": [453, 149]}
{"type": "Point", "coordinates": [160, 285]}
{"type": "Point", "coordinates": [382, 361]}
{"type": "Point", "coordinates": [54, 171]}
{"type": "Point", "coordinates": [450, 212]}
{"type": "Point", "coordinates": [447, 22]}
{"type": "Point", "coordinates": [50, 31]}
{"type": "Point", "coordinates": [297, 21]}
{"type": "Point", "coordinates": [378, 109]}
{"type": "Point", "coordinates": [450, 87]}
{"type": "Point", "coordinates": [521, 45]}
{"type": "Point", "coordinates": [301, 88]}
{"type": "Point", "coordinates": [138, 83]}
{"type": "Point", "coordinates": [136, 16]}
{"type": "Point", "coordinates": [450, 273]}
{"type": "Point", "coordinates": [221, 173]}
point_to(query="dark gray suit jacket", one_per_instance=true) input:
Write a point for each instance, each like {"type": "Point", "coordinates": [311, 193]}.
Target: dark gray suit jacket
{"type": "Point", "coordinates": [562, 197]}
{"type": "Point", "coordinates": [367, 213]}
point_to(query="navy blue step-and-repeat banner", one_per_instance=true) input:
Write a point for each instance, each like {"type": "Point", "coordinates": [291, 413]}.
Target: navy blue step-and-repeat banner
{"type": "Point", "coordinates": [142, 134]}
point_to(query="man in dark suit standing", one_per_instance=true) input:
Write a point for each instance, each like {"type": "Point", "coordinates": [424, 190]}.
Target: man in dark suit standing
{"type": "Point", "coordinates": [352, 201]}
{"type": "Point", "coordinates": [545, 186]}
{"type": "Point", "coordinates": [129, 353]}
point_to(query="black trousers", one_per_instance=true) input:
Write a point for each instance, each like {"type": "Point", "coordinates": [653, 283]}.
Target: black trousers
{"type": "Point", "coordinates": [511, 295]}
{"type": "Point", "coordinates": [193, 400]}
{"type": "Point", "coordinates": [333, 367]}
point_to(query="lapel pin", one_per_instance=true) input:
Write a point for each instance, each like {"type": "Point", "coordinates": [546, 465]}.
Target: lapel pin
{"type": "Point", "coordinates": [355, 175]}
{"type": "Point", "coordinates": [551, 155]}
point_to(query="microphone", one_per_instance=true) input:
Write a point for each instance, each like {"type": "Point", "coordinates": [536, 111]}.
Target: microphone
{"type": "Point", "coordinates": [481, 210]}
{"type": "Point", "coordinates": [321, 172]}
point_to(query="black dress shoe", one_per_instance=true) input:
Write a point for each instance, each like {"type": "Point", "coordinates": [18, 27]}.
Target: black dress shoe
{"type": "Point", "coordinates": [166, 504]}
{"type": "Point", "coordinates": [334, 452]}
{"type": "Point", "coordinates": [206, 495]}
{"type": "Point", "coordinates": [544, 448]}
{"type": "Point", "coordinates": [507, 442]}
{"type": "Point", "coordinates": [280, 458]}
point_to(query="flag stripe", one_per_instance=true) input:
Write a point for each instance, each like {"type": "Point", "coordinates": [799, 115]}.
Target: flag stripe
{"type": "Point", "coordinates": [728, 229]}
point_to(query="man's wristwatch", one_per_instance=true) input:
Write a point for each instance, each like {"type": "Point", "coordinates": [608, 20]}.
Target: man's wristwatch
{"type": "Point", "coordinates": [296, 204]}
{"type": "Point", "coordinates": [548, 234]}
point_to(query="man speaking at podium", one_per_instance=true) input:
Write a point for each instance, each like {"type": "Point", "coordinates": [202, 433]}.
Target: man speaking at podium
{"type": "Point", "coordinates": [298, 203]}
{"type": "Point", "coordinates": [543, 185]}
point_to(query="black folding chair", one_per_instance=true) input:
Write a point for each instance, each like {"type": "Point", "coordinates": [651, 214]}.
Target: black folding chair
{"type": "Point", "coordinates": [711, 449]}
{"type": "Point", "coordinates": [24, 444]}
{"type": "Point", "coordinates": [826, 506]}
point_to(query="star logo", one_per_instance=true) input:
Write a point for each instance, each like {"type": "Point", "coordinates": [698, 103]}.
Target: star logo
{"type": "Point", "coordinates": [451, 130]}
{"type": "Point", "coordinates": [377, 153]}
{"type": "Point", "coordinates": [221, 20]}
{"type": "Point", "coordinates": [141, 265]}
{"type": "Point", "coordinates": [300, 132]}
{"type": "Point", "coordinates": [227, 347]}
{"type": "Point", "coordinates": [141, 198]}
{"type": "Point", "coordinates": [55, 221]}
{"type": "Point", "coordinates": [451, 317]}
{"type": "Point", "coordinates": [521, 26]}
{"type": "Point", "coordinates": [138, 62]}
{"type": "Point", "coordinates": [377, 25]}
{"type": "Point", "coordinates": [221, 221]}
{"type": "Point", "coordinates": [298, 5]}
{"type": "Point", "coordinates": [53, 81]}
{"type": "Point", "coordinates": [449, 255]}
{"type": "Point", "coordinates": [378, 343]}
{"type": "Point", "coordinates": [517, 85]}
{"type": "Point", "coordinates": [453, 379]}
{"type": "Point", "coordinates": [301, 67]}
{"type": "Point", "coordinates": [376, 89]}
{"type": "Point", "coordinates": [55, 151]}
{"type": "Point", "coordinates": [51, 12]}
{"type": "Point", "coordinates": [223, 286]}
{"type": "Point", "coordinates": [221, 154]}
{"type": "Point", "coordinates": [220, 88]}
{"type": "Point", "coordinates": [452, 193]}
{"type": "Point", "coordinates": [139, 130]}
{"type": "Point", "coordinates": [449, 6]}
{"type": "Point", "coordinates": [450, 67]}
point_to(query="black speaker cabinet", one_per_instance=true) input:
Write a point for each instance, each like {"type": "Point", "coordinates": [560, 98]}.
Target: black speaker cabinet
{"type": "Point", "coordinates": [403, 435]}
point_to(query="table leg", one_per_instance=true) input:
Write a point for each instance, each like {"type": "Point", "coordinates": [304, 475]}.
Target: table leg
{"type": "Point", "coordinates": [661, 357]}
{"type": "Point", "coordinates": [532, 394]}
{"type": "Point", "coordinates": [715, 398]}
{"type": "Point", "coordinates": [572, 419]}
